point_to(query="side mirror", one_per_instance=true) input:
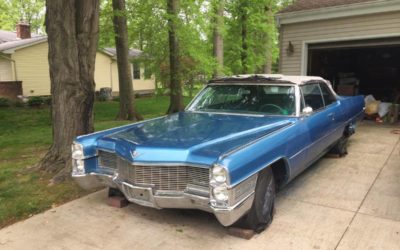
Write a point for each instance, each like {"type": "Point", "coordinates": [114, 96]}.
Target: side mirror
{"type": "Point", "coordinates": [307, 110]}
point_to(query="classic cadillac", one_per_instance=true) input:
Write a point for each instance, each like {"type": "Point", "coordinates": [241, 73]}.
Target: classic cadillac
{"type": "Point", "coordinates": [237, 142]}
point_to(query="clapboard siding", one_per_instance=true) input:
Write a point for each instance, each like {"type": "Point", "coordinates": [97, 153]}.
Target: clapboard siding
{"type": "Point", "coordinates": [33, 70]}
{"type": "Point", "coordinates": [6, 71]}
{"type": "Point", "coordinates": [332, 29]}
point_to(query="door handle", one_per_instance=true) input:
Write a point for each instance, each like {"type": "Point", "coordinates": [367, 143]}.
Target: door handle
{"type": "Point", "coordinates": [332, 116]}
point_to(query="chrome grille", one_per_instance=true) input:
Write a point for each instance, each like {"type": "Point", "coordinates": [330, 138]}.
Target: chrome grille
{"type": "Point", "coordinates": [168, 178]}
{"type": "Point", "coordinates": [107, 159]}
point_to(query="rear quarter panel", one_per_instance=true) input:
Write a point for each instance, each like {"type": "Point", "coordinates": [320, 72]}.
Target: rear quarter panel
{"type": "Point", "coordinates": [352, 108]}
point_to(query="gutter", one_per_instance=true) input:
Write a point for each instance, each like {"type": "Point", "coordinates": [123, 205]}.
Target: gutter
{"type": "Point", "coordinates": [357, 9]}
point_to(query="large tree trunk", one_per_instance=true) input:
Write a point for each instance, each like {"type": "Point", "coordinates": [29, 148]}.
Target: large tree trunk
{"type": "Point", "coordinates": [72, 28]}
{"type": "Point", "coordinates": [243, 22]}
{"type": "Point", "coordinates": [127, 109]}
{"type": "Point", "coordinates": [218, 41]}
{"type": "Point", "coordinates": [176, 100]}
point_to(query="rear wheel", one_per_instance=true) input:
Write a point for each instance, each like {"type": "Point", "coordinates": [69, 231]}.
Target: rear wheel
{"type": "Point", "coordinates": [262, 210]}
{"type": "Point", "coordinates": [340, 148]}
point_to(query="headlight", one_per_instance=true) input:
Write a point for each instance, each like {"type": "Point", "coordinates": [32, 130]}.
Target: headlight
{"type": "Point", "coordinates": [221, 194]}
{"type": "Point", "coordinates": [78, 163]}
{"type": "Point", "coordinates": [219, 174]}
{"type": "Point", "coordinates": [219, 187]}
{"type": "Point", "coordinates": [78, 167]}
{"type": "Point", "coordinates": [77, 151]}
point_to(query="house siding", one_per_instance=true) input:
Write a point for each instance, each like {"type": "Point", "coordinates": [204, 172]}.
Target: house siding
{"type": "Point", "coordinates": [32, 69]}
{"type": "Point", "coordinates": [139, 85]}
{"type": "Point", "coordinates": [332, 29]}
{"type": "Point", "coordinates": [102, 71]}
{"type": "Point", "coordinates": [6, 70]}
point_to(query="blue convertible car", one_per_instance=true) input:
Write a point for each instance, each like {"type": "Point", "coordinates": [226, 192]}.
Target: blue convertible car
{"type": "Point", "coordinates": [240, 139]}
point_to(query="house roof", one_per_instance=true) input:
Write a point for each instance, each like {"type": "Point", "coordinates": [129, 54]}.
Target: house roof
{"type": "Point", "coordinates": [9, 47]}
{"type": "Point", "coordinates": [9, 43]}
{"type": "Point", "coordinates": [314, 10]}
{"type": "Point", "coordinates": [301, 5]}
{"type": "Point", "coordinates": [133, 53]}
{"type": "Point", "coordinates": [7, 36]}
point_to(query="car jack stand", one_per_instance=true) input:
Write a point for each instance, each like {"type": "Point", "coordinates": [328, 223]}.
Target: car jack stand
{"type": "Point", "coordinates": [116, 198]}
{"type": "Point", "coordinates": [241, 233]}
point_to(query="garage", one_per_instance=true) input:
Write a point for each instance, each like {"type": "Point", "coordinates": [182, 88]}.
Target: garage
{"type": "Point", "coordinates": [366, 67]}
{"type": "Point", "coordinates": [355, 44]}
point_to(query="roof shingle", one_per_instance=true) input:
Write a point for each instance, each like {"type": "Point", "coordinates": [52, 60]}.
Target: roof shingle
{"type": "Point", "coordinates": [301, 5]}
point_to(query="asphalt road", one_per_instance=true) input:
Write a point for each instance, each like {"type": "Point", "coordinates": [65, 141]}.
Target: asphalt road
{"type": "Point", "coordinates": [347, 203]}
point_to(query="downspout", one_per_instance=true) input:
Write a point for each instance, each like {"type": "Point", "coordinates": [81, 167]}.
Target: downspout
{"type": "Point", "coordinates": [14, 65]}
{"type": "Point", "coordinates": [111, 76]}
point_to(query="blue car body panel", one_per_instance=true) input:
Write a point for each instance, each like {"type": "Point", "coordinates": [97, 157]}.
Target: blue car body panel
{"type": "Point", "coordinates": [245, 144]}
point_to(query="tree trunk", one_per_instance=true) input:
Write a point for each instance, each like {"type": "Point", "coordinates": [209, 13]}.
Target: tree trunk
{"type": "Point", "coordinates": [218, 41]}
{"type": "Point", "coordinates": [243, 22]}
{"type": "Point", "coordinates": [72, 28]}
{"type": "Point", "coordinates": [176, 100]}
{"type": "Point", "coordinates": [127, 109]}
{"type": "Point", "coordinates": [267, 67]}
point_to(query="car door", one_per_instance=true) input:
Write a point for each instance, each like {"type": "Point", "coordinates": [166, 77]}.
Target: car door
{"type": "Point", "coordinates": [332, 106]}
{"type": "Point", "coordinates": [319, 121]}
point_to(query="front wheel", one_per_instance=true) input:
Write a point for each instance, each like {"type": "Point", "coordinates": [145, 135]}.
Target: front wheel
{"type": "Point", "coordinates": [262, 211]}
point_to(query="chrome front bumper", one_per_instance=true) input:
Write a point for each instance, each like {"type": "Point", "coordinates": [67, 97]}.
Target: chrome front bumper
{"type": "Point", "coordinates": [145, 197]}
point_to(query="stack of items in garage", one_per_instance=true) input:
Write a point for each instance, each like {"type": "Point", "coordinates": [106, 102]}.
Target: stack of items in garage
{"type": "Point", "coordinates": [348, 84]}
{"type": "Point", "coordinates": [381, 111]}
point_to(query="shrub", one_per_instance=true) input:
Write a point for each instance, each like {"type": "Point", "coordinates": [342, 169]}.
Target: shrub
{"type": "Point", "coordinates": [47, 100]}
{"type": "Point", "coordinates": [162, 92]}
{"type": "Point", "coordinates": [19, 104]}
{"type": "Point", "coordinates": [4, 102]}
{"type": "Point", "coordinates": [35, 101]}
{"type": "Point", "coordinates": [102, 98]}
{"type": "Point", "coordinates": [116, 99]}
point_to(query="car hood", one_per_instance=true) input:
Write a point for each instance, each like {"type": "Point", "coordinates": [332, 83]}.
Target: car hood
{"type": "Point", "coordinates": [190, 137]}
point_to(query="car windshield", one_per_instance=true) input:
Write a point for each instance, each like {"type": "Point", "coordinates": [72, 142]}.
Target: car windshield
{"type": "Point", "coordinates": [247, 98]}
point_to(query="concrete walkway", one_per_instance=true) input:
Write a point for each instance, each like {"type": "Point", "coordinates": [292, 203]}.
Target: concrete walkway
{"type": "Point", "coordinates": [347, 203]}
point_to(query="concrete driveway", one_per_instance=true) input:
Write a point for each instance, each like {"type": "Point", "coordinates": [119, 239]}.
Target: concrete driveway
{"type": "Point", "coordinates": [347, 203]}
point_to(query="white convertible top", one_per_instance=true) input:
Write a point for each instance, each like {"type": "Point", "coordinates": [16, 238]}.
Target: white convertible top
{"type": "Point", "coordinates": [299, 80]}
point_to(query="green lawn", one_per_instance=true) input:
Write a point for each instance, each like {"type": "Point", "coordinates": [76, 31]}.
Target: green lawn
{"type": "Point", "coordinates": [25, 134]}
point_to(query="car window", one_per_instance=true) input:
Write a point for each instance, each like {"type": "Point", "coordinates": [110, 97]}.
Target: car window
{"type": "Point", "coordinates": [312, 96]}
{"type": "Point", "coordinates": [247, 98]}
{"type": "Point", "coordinates": [329, 98]}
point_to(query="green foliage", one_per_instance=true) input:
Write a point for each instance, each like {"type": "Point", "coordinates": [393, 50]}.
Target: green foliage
{"type": "Point", "coordinates": [102, 98]}
{"type": "Point", "coordinates": [47, 100]}
{"type": "Point", "coordinates": [4, 102]}
{"type": "Point", "coordinates": [262, 35]}
{"type": "Point", "coordinates": [30, 11]}
{"type": "Point", "coordinates": [19, 104]}
{"type": "Point", "coordinates": [35, 101]}
{"type": "Point", "coordinates": [148, 31]}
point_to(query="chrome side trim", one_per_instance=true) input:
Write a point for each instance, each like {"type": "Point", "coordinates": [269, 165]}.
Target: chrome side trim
{"type": "Point", "coordinates": [256, 171]}
{"type": "Point", "coordinates": [339, 127]}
